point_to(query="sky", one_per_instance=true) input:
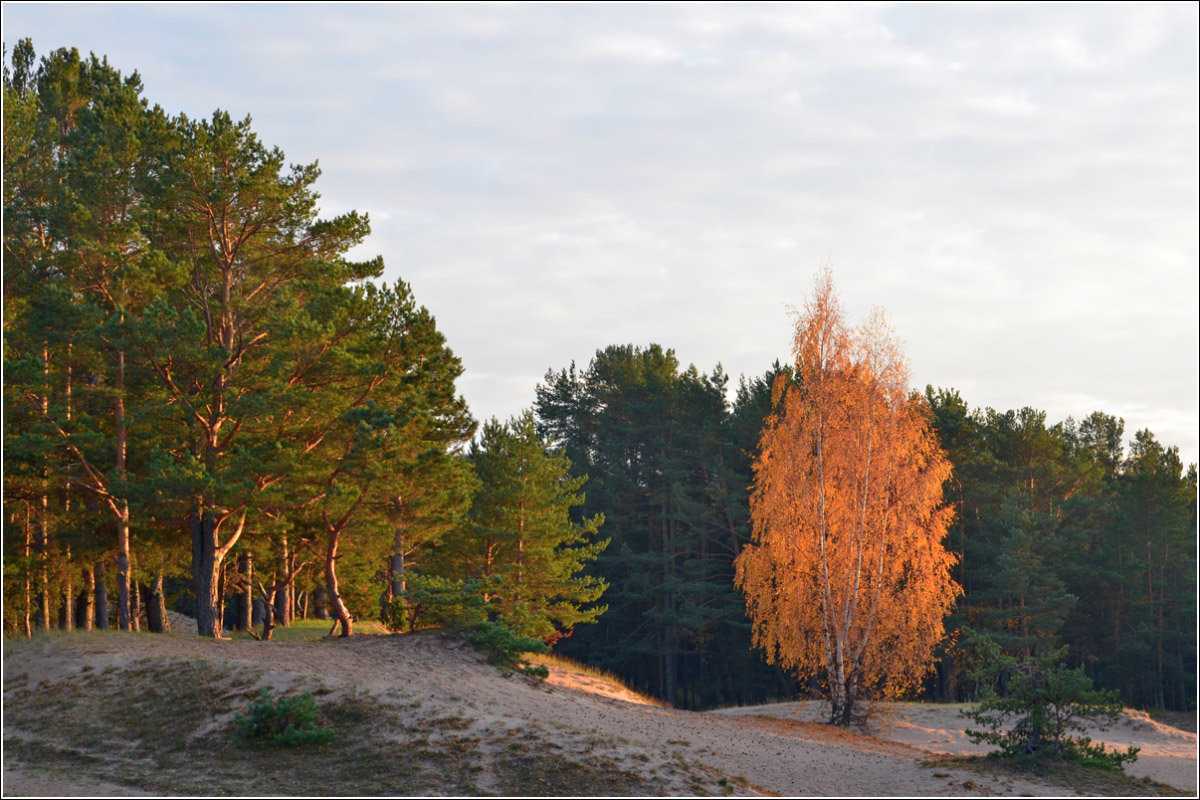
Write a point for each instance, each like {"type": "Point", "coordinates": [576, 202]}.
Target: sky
{"type": "Point", "coordinates": [1015, 184]}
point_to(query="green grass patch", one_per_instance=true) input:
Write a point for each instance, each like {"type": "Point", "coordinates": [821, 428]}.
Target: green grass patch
{"type": "Point", "coordinates": [311, 630]}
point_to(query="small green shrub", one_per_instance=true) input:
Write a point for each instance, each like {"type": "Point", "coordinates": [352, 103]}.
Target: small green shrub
{"type": "Point", "coordinates": [1030, 707]}
{"type": "Point", "coordinates": [286, 722]}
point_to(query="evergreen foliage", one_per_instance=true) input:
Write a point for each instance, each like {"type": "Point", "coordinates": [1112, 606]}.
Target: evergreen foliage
{"type": "Point", "coordinates": [1032, 705]}
{"type": "Point", "coordinates": [283, 722]}
{"type": "Point", "coordinates": [657, 444]}
{"type": "Point", "coordinates": [521, 539]}
{"type": "Point", "coordinates": [1065, 539]}
{"type": "Point", "coordinates": [190, 355]}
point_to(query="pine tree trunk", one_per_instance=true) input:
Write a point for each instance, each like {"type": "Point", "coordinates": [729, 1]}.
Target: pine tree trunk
{"type": "Point", "coordinates": [268, 611]}
{"type": "Point", "coordinates": [135, 606]}
{"type": "Point", "coordinates": [320, 604]}
{"type": "Point", "coordinates": [335, 599]}
{"type": "Point", "coordinates": [81, 602]}
{"type": "Point", "coordinates": [125, 618]}
{"type": "Point", "coordinates": [282, 609]}
{"type": "Point", "coordinates": [85, 608]}
{"type": "Point", "coordinates": [27, 617]}
{"type": "Point", "coordinates": [396, 560]}
{"type": "Point", "coordinates": [205, 573]}
{"type": "Point", "coordinates": [156, 607]}
{"type": "Point", "coordinates": [43, 544]}
{"type": "Point", "coordinates": [222, 583]}
{"type": "Point", "coordinates": [246, 596]}
{"type": "Point", "coordinates": [291, 587]}
{"type": "Point", "coordinates": [397, 583]}
{"type": "Point", "coordinates": [66, 609]}
{"type": "Point", "coordinates": [66, 606]}
{"type": "Point", "coordinates": [670, 641]}
{"type": "Point", "coordinates": [43, 551]}
{"type": "Point", "coordinates": [101, 597]}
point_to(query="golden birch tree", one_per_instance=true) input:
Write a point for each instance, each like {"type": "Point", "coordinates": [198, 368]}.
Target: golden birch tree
{"type": "Point", "coordinates": [846, 577]}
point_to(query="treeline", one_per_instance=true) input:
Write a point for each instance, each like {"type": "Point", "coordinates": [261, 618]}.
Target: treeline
{"type": "Point", "coordinates": [1062, 536]}
{"type": "Point", "coordinates": [1067, 538]}
{"type": "Point", "coordinates": [201, 389]}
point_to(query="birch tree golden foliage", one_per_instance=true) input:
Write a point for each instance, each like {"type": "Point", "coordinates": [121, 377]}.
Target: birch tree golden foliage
{"type": "Point", "coordinates": [846, 577]}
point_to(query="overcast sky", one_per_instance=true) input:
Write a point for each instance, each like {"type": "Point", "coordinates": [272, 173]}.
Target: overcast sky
{"type": "Point", "coordinates": [1015, 184]}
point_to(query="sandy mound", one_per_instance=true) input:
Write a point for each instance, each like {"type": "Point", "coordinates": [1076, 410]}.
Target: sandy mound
{"type": "Point", "coordinates": [777, 748]}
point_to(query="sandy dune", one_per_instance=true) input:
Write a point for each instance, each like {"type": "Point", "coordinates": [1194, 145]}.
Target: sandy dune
{"type": "Point", "coordinates": [775, 748]}
{"type": "Point", "coordinates": [1166, 754]}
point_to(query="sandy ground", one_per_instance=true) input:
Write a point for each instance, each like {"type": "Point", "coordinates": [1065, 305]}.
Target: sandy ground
{"type": "Point", "coordinates": [777, 748]}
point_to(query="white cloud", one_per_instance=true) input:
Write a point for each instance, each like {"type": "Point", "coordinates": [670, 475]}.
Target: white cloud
{"type": "Point", "coordinates": [1016, 184]}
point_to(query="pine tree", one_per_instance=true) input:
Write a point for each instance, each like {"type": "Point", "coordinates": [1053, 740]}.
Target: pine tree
{"type": "Point", "coordinates": [520, 536]}
{"type": "Point", "coordinates": [653, 440]}
{"type": "Point", "coordinates": [384, 474]}
{"type": "Point", "coordinates": [244, 231]}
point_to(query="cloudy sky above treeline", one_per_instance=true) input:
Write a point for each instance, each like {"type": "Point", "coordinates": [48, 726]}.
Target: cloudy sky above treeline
{"type": "Point", "coordinates": [1016, 184]}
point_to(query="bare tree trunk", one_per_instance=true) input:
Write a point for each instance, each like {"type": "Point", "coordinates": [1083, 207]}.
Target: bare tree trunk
{"type": "Point", "coordinates": [101, 597]}
{"type": "Point", "coordinates": [156, 607]}
{"type": "Point", "coordinates": [268, 610]}
{"type": "Point", "coordinates": [85, 608]}
{"type": "Point", "coordinates": [222, 591]}
{"type": "Point", "coordinates": [135, 606]}
{"type": "Point", "coordinates": [280, 600]}
{"type": "Point", "coordinates": [331, 582]}
{"type": "Point", "coordinates": [43, 551]}
{"type": "Point", "coordinates": [396, 561]}
{"type": "Point", "coordinates": [102, 621]}
{"type": "Point", "coordinates": [205, 573]}
{"type": "Point", "coordinates": [397, 581]}
{"type": "Point", "coordinates": [319, 602]}
{"type": "Point", "coordinates": [246, 596]}
{"type": "Point", "coordinates": [290, 587]}
{"type": "Point", "coordinates": [43, 544]}
{"type": "Point", "coordinates": [27, 618]}
{"type": "Point", "coordinates": [66, 605]}
{"type": "Point", "coordinates": [126, 620]}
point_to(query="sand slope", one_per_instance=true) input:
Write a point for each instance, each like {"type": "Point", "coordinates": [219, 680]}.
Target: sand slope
{"type": "Point", "coordinates": [777, 748]}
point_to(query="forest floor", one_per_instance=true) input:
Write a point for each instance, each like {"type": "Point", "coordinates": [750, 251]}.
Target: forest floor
{"type": "Point", "coordinates": [117, 714]}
